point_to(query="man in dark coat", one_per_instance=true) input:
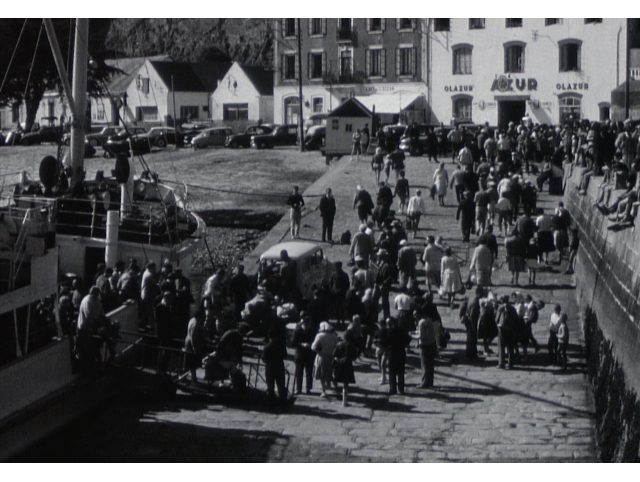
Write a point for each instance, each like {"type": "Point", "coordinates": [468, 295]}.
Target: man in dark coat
{"type": "Point", "coordinates": [327, 210]}
{"type": "Point", "coordinates": [398, 340]}
{"type": "Point", "coordinates": [471, 325]}
{"type": "Point", "coordinates": [384, 280]}
{"type": "Point", "coordinates": [304, 356]}
{"type": "Point", "coordinates": [240, 286]}
{"type": "Point", "coordinates": [165, 320]}
{"type": "Point", "coordinates": [466, 215]}
{"type": "Point", "coordinates": [274, 354]}
{"type": "Point", "coordinates": [339, 286]}
{"type": "Point", "coordinates": [363, 203]}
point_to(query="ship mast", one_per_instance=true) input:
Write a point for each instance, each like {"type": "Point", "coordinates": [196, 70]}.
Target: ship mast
{"type": "Point", "coordinates": [77, 92]}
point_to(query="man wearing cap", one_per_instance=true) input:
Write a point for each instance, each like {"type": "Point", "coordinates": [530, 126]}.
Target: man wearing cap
{"type": "Point", "coordinates": [507, 320]}
{"type": "Point", "coordinates": [406, 265]}
{"type": "Point", "coordinates": [415, 209]}
{"type": "Point", "coordinates": [457, 182]}
{"type": "Point", "coordinates": [296, 203]}
{"type": "Point", "coordinates": [304, 356]}
{"type": "Point", "coordinates": [402, 191]}
{"type": "Point", "coordinates": [327, 208]}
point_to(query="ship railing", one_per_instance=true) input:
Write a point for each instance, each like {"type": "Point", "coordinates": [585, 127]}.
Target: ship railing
{"type": "Point", "coordinates": [88, 217]}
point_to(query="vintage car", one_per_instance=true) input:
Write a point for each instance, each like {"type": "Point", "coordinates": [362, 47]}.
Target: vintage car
{"type": "Point", "coordinates": [286, 135]}
{"type": "Point", "coordinates": [214, 136]}
{"type": "Point", "coordinates": [244, 140]}
{"type": "Point", "coordinates": [313, 268]}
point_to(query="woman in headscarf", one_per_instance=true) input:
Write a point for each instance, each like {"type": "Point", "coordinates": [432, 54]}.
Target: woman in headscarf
{"type": "Point", "coordinates": [441, 181]}
{"type": "Point", "coordinates": [450, 275]}
{"type": "Point", "coordinates": [345, 353]}
{"type": "Point", "coordinates": [324, 346]}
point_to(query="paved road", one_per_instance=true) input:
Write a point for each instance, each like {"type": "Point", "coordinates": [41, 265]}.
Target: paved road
{"type": "Point", "coordinates": [477, 412]}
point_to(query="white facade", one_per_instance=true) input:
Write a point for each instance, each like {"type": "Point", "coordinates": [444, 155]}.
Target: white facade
{"type": "Point", "coordinates": [484, 90]}
{"type": "Point", "coordinates": [150, 100]}
{"type": "Point", "coordinates": [236, 91]}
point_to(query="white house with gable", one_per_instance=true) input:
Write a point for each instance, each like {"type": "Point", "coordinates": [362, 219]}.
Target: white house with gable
{"type": "Point", "coordinates": [243, 96]}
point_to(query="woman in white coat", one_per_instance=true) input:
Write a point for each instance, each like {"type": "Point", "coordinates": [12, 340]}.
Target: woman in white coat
{"type": "Point", "coordinates": [324, 345]}
{"type": "Point", "coordinates": [440, 182]}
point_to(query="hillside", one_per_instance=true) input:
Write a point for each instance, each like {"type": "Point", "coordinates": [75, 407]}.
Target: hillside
{"type": "Point", "coordinates": [245, 40]}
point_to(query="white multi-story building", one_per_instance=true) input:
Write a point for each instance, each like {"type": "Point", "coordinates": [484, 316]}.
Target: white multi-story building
{"type": "Point", "coordinates": [499, 70]}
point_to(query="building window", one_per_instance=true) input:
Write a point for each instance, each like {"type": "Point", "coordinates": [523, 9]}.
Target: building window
{"type": "Point", "coordinates": [604, 109]}
{"type": "Point", "coordinates": [100, 112]}
{"type": "Point", "coordinates": [376, 63]}
{"type": "Point", "coordinates": [346, 63]}
{"type": "Point", "coordinates": [291, 110]}
{"type": "Point", "coordinates": [514, 59]}
{"type": "Point", "coordinates": [335, 124]}
{"type": "Point", "coordinates": [592, 20]}
{"type": "Point", "coordinates": [142, 83]}
{"type": "Point", "coordinates": [316, 65]}
{"type": "Point", "coordinates": [233, 112]}
{"type": "Point", "coordinates": [289, 67]}
{"type": "Point", "coordinates": [405, 24]}
{"type": "Point", "coordinates": [375, 25]}
{"type": "Point", "coordinates": [317, 104]}
{"type": "Point", "coordinates": [462, 60]}
{"type": "Point", "coordinates": [348, 127]}
{"type": "Point", "coordinates": [570, 107]}
{"type": "Point", "coordinates": [188, 111]}
{"type": "Point", "coordinates": [289, 27]}
{"type": "Point", "coordinates": [405, 61]}
{"type": "Point", "coordinates": [462, 109]}
{"type": "Point", "coordinates": [15, 113]}
{"type": "Point", "coordinates": [344, 29]}
{"type": "Point", "coordinates": [552, 21]}
{"type": "Point", "coordinates": [147, 113]}
{"type": "Point", "coordinates": [513, 22]}
{"type": "Point", "coordinates": [316, 26]}
{"type": "Point", "coordinates": [569, 56]}
{"type": "Point", "coordinates": [441, 24]}
{"type": "Point", "coordinates": [476, 23]}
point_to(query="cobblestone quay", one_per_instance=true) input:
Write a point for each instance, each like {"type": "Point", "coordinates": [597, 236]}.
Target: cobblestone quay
{"type": "Point", "coordinates": [476, 412]}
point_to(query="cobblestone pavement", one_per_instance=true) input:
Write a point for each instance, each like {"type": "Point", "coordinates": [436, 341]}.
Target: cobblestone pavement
{"type": "Point", "coordinates": [476, 412]}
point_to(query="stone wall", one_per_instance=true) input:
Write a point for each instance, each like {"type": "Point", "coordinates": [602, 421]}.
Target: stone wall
{"type": "Point", "coordinates": [608, 286]}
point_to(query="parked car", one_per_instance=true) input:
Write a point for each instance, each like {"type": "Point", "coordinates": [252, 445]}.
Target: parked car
{"type": "Point", "coordinates": [392, 135]}
{"type": "Point", "coordinates": [13, 137]}
{"type": "Point", "coordinates": [315, 138]}
{"type": "Point", "coordinates": [244, 140]}
{"type": "Point", "coordinates": [415, 145]}
{"type": "Point", "coordinates": [215, 136]}
{"type": "Point", "coordinates": [313, 268]}
{"type": "Point", "coordinates": [119, 143]}
{"type": "Point", "coordinates": [160, 136]}
{"type": "Point", "coordinates": [42, 134]}
{"type": "Point", "coordinates": [187, 132]}
{"type": "Point", "coordinates": [99, 138]}
{"type": "Point", "coordinates": [319, 119]}
{"type": "Point", "coordinates": [286, 135]}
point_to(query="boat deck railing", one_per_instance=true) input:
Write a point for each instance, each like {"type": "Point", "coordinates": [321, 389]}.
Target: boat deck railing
{"type": "Point", "coordinates": [144, 222]}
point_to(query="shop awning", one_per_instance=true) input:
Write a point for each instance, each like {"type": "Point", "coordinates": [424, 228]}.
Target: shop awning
{"type": "Point", "coordinates": [392, 103]}
{"type": "Point", "coordinates": [618, 94]}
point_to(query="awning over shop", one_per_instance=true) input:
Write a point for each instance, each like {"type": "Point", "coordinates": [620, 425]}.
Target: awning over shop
{"type": "Point", "coordinates": [392, 103]}
{"type": "Point", "coordinates": [618, 94]}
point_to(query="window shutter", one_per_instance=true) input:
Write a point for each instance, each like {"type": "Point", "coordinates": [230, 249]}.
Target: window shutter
{"type": "Point", "coordinates": [283, 24]}
{"type": "Point", "coordinates": [282, 67]}
{"type": "Point", "coordinates": [397, 24]}
{"type": "Point", "coordinates": [382, 23]}
{"type": "Point", "coordinates": [368, 25]}
{"type": "Point", "coordinates": [367, 62]}
{"type": "Point", "coordinates": [383, 62]}
{"type": "Point", "coordinates": [324, 26]}
{"type": "Point", "coordinates": [397, 62]}
{"type": "Point", "coordinates": [297, 66]}
{"type": "Point", "coordinates": [310, 26]}
{"type": "Point", "coordinates": [324, 64]}
{"type": "Point", "coordinates": [309, 66]}
{"type": "Point", "coordinates": [414, 61]}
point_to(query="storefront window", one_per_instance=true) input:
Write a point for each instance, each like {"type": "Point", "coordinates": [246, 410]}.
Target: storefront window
{"type": "Point", "coordinates": [570, 106]}
{"type": "Point", "coordinates": [462, 109]}
{"type": "Point", "coordinates": [291, 110]}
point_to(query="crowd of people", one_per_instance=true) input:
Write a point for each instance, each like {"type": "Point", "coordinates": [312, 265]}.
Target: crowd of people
{"type": "Point", "coordinates": [380, 307]}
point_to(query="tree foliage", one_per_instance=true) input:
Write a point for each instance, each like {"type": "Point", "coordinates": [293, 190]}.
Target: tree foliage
{"type": "Point", "coordinates": [248, 41]}
{"type": "Point", "coordinates": [33, 69]}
